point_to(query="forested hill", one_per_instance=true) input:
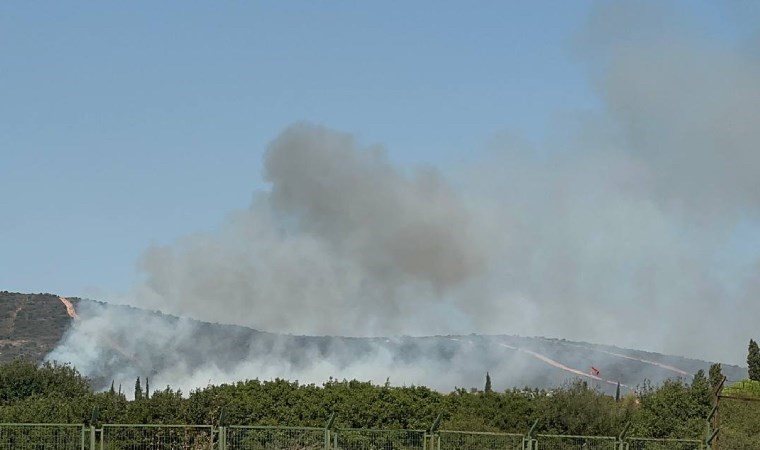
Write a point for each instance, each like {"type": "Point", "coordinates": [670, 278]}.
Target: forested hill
{"type": "Point", "coordinates": [32, 325]}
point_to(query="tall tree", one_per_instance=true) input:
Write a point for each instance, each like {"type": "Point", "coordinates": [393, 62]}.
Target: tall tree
{"type": "Point", "coordinates": [617, 392]}
{"type": "Point", "coordinates": [715, 375]}
{"type": "Point", "coordinates": [753, 361]}
{"type": "Point", "coordinates": [138, 389]}
{"type": "Point", "coordinates": [488, 388]}
{"type": "Point", "coordinates": [700, 390]}
{"type": "Point", "coordinates": [112, 391]}
{"type": "Point", "coordinates": [147, 388]}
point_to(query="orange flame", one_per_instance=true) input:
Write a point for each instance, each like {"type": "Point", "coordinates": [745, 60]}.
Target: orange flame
{"type": "Point", "coordinates": [69, 308]}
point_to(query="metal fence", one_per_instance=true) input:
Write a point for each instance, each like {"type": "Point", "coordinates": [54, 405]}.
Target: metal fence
{"type": "Point", "coordinates": [465, 440]}
{"type": "Point", "coordinates": [273, 438]}
{"type": "Point", "coordinates": [664, 444]}
{"type": "Point", "coordinates": [157, 437]}
{"type": "Point", "coordinates": [362, 439]}
{"type": "Point", "coordinates": [26, 436]}
{"type": "Point", "coordinates": [560, 442]}
{"type": "Point", "coordinates": [206, 437]}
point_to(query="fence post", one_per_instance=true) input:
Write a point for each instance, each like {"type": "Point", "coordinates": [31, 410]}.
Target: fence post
{"type": "Point", "coordinates": [621, 444]}
{"type": "Point", "coordinates": [328, 431]}
{"type": "Point", "coordinates": [712, 428]}
{"type": "Point", "coordinates": [221, 442]}
{"type": "Point", "coordinates": [432, 437]}
{"type": "Point", "coordinates": [528, 441]}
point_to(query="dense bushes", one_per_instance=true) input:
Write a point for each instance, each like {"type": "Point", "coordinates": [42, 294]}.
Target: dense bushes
{"type": "Point", "coordinates": [58, 393]}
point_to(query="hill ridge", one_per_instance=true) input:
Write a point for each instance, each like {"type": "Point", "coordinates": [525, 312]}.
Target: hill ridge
{"type": "Point", "coordinates": [34, 325]}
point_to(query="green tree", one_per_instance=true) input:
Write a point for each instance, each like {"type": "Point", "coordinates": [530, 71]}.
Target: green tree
{"type": "Point", "coordinates": [700, 392]}
{"type": "Point", "coordinates": [20, 379]}
{"type": "Point", "coordinates": [488, 389]}
{"type": "Point", "coordinates": [715, 375]}
{"type": "Point", "coordinates": [617, 392]}
{"type": "Point", "coordinates": [147, 388]}
{"type": "Point", "coordinates": [669, 410]}
{"type": "Point", "coordinates": [138, 389]}
{"type": "Point", "coordinates": [753, 361]}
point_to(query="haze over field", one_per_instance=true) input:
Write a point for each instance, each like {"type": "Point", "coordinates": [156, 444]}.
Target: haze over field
{"type": "Point", "coordinates": [633, 224]}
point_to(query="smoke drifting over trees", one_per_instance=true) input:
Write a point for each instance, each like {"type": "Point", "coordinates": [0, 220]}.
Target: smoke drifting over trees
{"type": "Point", "coordinates": [629, 226]}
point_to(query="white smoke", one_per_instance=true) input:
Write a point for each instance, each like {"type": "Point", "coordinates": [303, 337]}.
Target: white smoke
{"type": "Point", "coordinates": [623, 231]}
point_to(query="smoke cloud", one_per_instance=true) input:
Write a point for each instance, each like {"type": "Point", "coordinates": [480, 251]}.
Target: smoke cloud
{"type": "Point", "coordinates": [635, 226]}
{"type": "Point", "coordinates": [344, 243]}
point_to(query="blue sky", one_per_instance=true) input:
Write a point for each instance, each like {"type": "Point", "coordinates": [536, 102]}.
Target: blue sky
{"type": "Point", "coordinates": [126, 124]}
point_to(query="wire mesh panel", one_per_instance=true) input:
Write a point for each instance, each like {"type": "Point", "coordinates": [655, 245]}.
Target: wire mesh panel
{"type": "Point", "coordinates": [464, 440]}
{"type": "Point", "coordinates": [274, 438]}
{"type": "Point", "coordinates": [664, 444]}
{"type": "Point", "coordinates": [41, 437]}
{"type": "Point", "coordinates": [558, 442]}
{"type": "Point", "coordinates": [356, 439]}
{"type": "Point", "coordinates": [157, 437]}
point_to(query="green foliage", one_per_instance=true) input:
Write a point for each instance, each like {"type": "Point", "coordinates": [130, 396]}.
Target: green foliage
{"type": "Point", "coordinates": [744, 388]}
{"type": "Point", "coordinates": [739, 425]}
{"type": "Point", "coordinates": [753, 361]}
{"type": "Point", "coordinates": [716, 375]}
{"type": "Point", "coordinates": [54, 393]}
{"type": "Point", "coordinates": [739, 413]}
{"type": "Point", "coordinates": [672, 410]}
{"type": "Point", "coordinates": [488, 389]}
{"type": "Point", "coordinates": [701, 392]}
{"type": "Point", "coordinates": [22, 379]}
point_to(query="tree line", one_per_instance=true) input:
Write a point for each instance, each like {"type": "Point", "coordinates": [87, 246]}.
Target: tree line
{"type": "Point", "coordinates": [59, 393]}
{"type": "Point", "coordinates": [677, 408]}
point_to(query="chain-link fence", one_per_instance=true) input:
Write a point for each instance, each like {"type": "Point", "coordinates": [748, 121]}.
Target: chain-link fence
{"type": "Point", "coordinates": [560, 442]}
{"type": "Point", "coordinates": [361, 439]}
{"type": "Point", "coordinates": [274, 438]}
{"type": "Point", "coordinates": [42, 437]}
{"type": "Point", "coordinates": [158, 437]}
{"type": "Point", "coordinates": [664, 444]}
{"type": "Point", "coordinates": [463, 440]}
{"type": "Point", "coordinates": [201, 437]}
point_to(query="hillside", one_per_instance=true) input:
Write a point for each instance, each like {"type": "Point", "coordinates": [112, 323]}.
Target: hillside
{"type": "Point", "coordinates": [120, 343]}
{"type": "Point", "coordinates": [31, 325]}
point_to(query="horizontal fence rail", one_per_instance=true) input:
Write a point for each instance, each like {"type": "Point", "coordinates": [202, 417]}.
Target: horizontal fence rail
{"type": "Point", "coordinates": [207, 437]}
